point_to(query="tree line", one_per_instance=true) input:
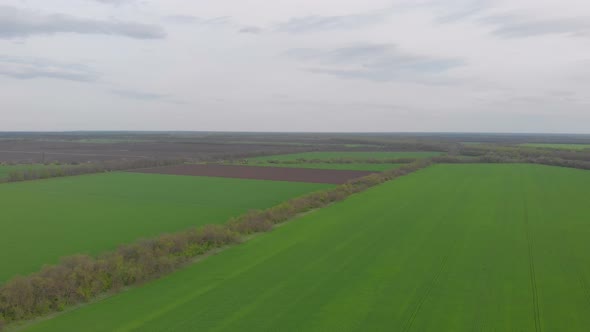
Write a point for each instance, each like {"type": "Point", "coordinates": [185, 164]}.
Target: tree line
{"type": "Point", "coordinates": [523, 152]}
{"type": "Point", "coordinates": [80, 278]}
{"type": "Point", "coordinates": [334, 161]}
{"type": "Point", "coordinates": [52, 171]}
{"type": "Point", "coordinates": [495, 158]}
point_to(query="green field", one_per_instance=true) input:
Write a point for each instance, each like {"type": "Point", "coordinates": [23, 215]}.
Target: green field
{"type": "Point", "coordinates": [47, 219]}
{"type": "Point", "coordinates": [351, 166]}
{"type": "Point", "coordinates": [558, 146]}
{"type": "Point", "coordinates": [346, 154]}
{"type": "Point", "coordinates": [449, 248]}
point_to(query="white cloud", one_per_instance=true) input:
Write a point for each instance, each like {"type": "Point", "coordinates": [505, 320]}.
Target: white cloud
{"type": "Point", "coordinates": [30, 68]}
{"type": "Point", "coordinates": [402, 65]}
{"type": "Point", "coordinates": [15, 22]}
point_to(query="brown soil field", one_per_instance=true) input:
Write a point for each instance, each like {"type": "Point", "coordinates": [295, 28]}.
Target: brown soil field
{"type": "Point", "coordinates": [35, 151]}
{"type": "Point", "coordinates": [260, 173]}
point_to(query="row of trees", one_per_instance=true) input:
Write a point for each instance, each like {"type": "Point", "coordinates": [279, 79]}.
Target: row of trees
{"type": "Point", "coordinates": [523, 152]}
{"type": "Point", "coordinates": [53, 171]}
{"type": "Point", "coordinates": [519, 155]}
{"type": "Point", "coordinates": [340, 161]}
{"type": "Point", "coordinates": [80, 278]}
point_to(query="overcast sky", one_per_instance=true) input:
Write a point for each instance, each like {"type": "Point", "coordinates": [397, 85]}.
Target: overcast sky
{"type": "Point", "coordinates": [295, 65]}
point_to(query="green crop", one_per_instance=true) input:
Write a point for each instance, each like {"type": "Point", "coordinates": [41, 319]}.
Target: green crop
{"type": "Point", "coordinates": [45, 220]}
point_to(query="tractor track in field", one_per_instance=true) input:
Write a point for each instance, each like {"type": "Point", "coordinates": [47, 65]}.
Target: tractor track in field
{"type": "Point", "coordinates": [569, 269]}
{"type": "Point", "coordinates": [585, 287]}
{"type": "Point", "coordinates": [479, 322]}
{"type": "Point", "coordinates": [430, 286]}
{"type": "Point", "coordinates": [434, 281]}
{"type": "Point", "coordinates": [532, 272]}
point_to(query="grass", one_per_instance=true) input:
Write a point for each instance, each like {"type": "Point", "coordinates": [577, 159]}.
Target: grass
{"type": "Point", "coordinates": [558, 146]}
{"type": "Point", "coordinates": [449, 248]}
{"type": "Point", "coordinates": [346, 154]}
{"type": "Point", "coordinates": [48, 219]}
{"type": "Point", "coordinates": [351, 166]}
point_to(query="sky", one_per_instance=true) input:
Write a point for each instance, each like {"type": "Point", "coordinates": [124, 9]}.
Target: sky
{"type": "Point", "coordinates": [295, 65]}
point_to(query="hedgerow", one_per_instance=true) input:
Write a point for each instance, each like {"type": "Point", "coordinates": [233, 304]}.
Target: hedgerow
{"type": "Point", "coordinates": [53, 171]}
{"type": "Point", "coordinates": [342, 161]}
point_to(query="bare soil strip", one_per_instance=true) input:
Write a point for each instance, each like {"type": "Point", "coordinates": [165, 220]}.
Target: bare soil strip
{"type": "Point", "coordinates": [260, 173]}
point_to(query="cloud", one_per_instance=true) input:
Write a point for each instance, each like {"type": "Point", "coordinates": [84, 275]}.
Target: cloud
{"type": "Point", "coordinates": [113, 2]}
{"type": "Point", "coordinates": [347, 105]}
{"type": "Point", "coordinates": [319, 23]}
{"type": "Point", "coordinates": [189, 19]}
{"type": "Point", "coordinates": [375, 62]}
{"type": "Point", "coordinates": [457, 10]}
{"type": "Point", "coordinates": [511, 26]}
{"type": "Point", "coordinates": [221, 21]}
{"type": "Point", "coordinates": [139, 95]}
{"type": "Point", "coordinates": [16, 22]}
{"type": "Point", "coordinates": [146, 96]}
{"type": "Point", "coordinates": [31, 68]}
{"type": "Point", "coordinates": [251, 29]}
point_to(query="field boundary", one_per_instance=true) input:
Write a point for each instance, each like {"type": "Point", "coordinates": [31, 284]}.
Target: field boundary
{"type": "Point", "coordinates": [81, 278]}
{"type": "Point", "coordinates": [331, 161]}
{"type": "Point", "coordinates": [57, 171]}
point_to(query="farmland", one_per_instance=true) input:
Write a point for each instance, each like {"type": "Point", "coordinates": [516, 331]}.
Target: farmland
{"type": "Point", "coordinates": [331, 176]}
{"type": "Point", "coordinates": [47, 219]}
{"type": "Point", "coordinates": [449, 248]}
{"type": "Point", "coordinates": [374, 167]}
{"type": "Point", "coordinates": [346, 155]}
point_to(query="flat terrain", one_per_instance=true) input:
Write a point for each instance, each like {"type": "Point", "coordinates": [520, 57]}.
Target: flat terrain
{"type": "Point", "coordinates": [260, 173]}
{"type": "Point", "coordinates": [347, 154]}
{"type": "Point", "coordinates": [350, 166]}
{"type": "Point", "coordinates": [47, 219]}
{"type": "Point", "coordinates": [558, 146]}
{"type": "Point", "coordinates": [134, 148]}
{"type": "Point", "coordinates": [449, 248]}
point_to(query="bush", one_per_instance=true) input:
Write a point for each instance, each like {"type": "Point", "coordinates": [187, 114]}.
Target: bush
{"type": "Point", "coordinates": [80, 278]}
